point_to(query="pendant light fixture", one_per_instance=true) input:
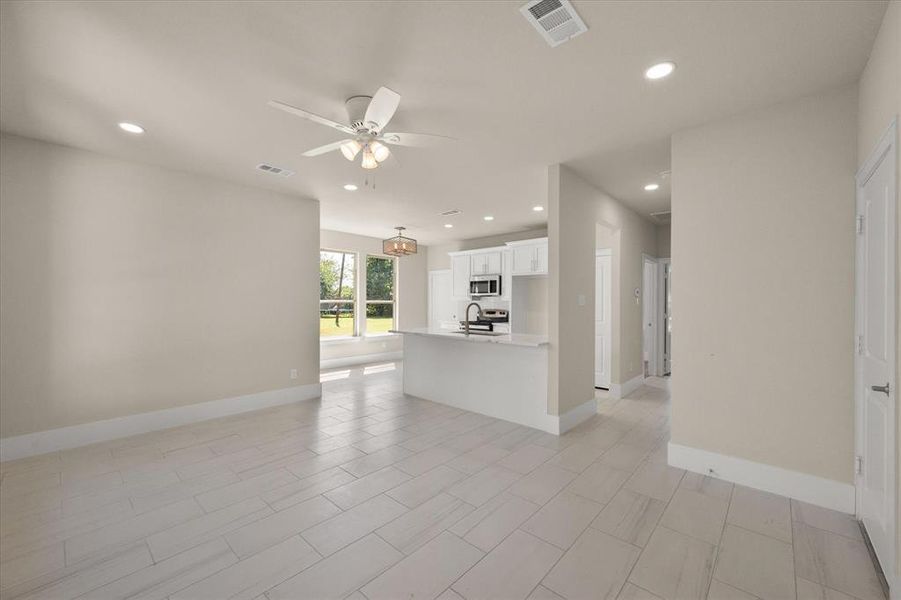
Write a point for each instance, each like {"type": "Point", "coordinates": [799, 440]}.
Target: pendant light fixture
{"type": "Point", "coordinates": [399, 245]}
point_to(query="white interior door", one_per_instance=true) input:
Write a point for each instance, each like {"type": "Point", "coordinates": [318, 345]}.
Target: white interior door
{"type": "Point", "coordinates": [649, 314]}
{"type": "Point", "coordinates": [876, 392]}
{"type": "Point", "coordinates": [441, 298]}
{"type": "Point", "coordinates": [603, 314]}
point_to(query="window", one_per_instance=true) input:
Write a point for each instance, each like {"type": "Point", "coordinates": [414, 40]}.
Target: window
{"type": "Point", "coordinates": [343, 295]}
{"type": "Point", "coordinates": [337, 285]}
{"type": "Point", "coordinates": [379, 294]}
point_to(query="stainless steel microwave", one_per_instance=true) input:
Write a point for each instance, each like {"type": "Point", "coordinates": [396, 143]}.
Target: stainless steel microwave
{"type": "Point", "coordinates": [485, 285]}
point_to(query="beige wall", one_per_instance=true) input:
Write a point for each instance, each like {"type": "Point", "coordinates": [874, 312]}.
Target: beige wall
{"type": "Point", "coordinates": [127, 288]}
{"type": "Point", "coordinates": [761, 209]}
{"type": "Point", "coordinates": [575, 208]}
{"type": "Point", "coordinates": [412, 288]}
{"type": "Point", "coordinates": [438, 258]}
{"type": "Point", "coordinates": [879, 102]}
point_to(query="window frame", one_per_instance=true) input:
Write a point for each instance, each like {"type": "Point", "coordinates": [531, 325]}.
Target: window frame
{"type": "Point", "coordinates": [365, 295]}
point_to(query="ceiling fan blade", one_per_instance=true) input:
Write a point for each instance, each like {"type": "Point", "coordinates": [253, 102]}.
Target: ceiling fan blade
{"type": "Point", "coordinates": [327, 148]}
{"type": "Point", "coordinates": [310, 116]}
{"type": "Point", "coordinates": [416, 140]}
{"type": "Point", "coordinates": [381, 108]}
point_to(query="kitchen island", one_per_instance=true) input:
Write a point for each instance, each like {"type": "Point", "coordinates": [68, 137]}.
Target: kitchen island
{"type": "Point", "coordinates": [502, 376]}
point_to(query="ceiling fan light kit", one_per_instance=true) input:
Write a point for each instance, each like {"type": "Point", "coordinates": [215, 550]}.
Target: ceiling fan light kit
{"type": "Point", "coordinates": [399, 245]}
{"type": "Point", "coordinates": [350, 149]}
{"type": "Point", "coordinates": [380, 151]}
{"type": "Point", "coordinates": [368, 117]}
{"type": "Point", "coordinates": [369, 161]}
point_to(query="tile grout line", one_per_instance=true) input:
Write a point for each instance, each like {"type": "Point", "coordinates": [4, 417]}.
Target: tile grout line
{"type": "Point", "coordinates": [656, 526]}
{"type": "Point", "coordinates": [719, 545]}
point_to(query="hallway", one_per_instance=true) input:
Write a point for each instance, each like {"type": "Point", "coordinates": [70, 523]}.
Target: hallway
{"type": "Point", "coordinates": [370, 494]}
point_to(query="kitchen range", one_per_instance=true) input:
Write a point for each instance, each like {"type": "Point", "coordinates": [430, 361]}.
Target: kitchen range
{"type": "Point", "coordinates": [488, 322]}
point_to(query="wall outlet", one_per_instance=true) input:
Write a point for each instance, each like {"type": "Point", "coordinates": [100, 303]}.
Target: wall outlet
{"type": "Point", "coordinates": [581, 299]}
{"type": "Point", "coordinates": [293, 373]}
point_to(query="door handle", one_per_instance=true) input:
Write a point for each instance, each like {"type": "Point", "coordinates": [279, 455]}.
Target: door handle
{"type": "Point", "coordinates": [885, 389]}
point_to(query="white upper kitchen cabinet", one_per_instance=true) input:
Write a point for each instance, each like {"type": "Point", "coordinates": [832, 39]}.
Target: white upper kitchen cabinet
{"type": "Point", "coordinates": [486, 263]}
{"type": "Point", "coordinates": [506, 275]}
{"type": "Point", "coordinates": [529, 257]}
{"type": "Point", "coordinates": [541, 258]}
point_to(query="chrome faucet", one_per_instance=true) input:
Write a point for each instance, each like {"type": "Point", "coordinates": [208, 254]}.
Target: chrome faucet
{"type": "Point", "coordinates": [478, 315]}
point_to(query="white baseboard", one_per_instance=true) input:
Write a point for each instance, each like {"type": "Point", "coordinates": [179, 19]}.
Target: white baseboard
{"type": "Point", "coordinates": [621, 390]}
{"type": "Point", "coordinates": [573, 417]}
{"type": "Point", "coordinates": [41, 442]}
{"type": "Point", "coordinates": [794, 484]}
{"type": "Point", "coordinates": [360, 359]}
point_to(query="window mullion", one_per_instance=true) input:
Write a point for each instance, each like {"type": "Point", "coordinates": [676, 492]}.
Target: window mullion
{"type": "Point", "coordinates": [359, 297]}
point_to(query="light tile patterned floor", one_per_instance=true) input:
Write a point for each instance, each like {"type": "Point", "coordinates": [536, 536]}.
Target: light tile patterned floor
{"type": "Point", "coordinates": [371, 494]}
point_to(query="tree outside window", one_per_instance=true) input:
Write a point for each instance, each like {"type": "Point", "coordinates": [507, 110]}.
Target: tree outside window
{"type": "Point", "coordinates": [380, 285]}
{"type": "Point", "coordinates": [337, 285]}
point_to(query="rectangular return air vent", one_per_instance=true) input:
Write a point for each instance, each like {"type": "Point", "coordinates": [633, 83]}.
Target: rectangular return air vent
{"type": "Point", "coordinates": [450, 213]}
{"type": "Point", "coordinates": [555, 20]}
{"type": "Point", "coordinates": [273, 170]}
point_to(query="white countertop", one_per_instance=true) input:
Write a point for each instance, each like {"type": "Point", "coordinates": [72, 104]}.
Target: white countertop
{"type": "Point", "coordinates": [511, 339]}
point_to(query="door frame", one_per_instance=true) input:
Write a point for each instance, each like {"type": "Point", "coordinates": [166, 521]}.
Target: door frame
{"type": "Point", "coordinates": [598, 252]}
{"type": "Point", "coordinates": [663, 317]}
{"type": "Point", "coordinates": [887, 145]}
{"type": "Point", "coordinates": [432, 273]}
{"type": "Point", "coordinates": [655, 366]}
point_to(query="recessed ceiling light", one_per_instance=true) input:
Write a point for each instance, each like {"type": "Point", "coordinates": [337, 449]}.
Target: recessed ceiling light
{"type": "Point", "coordinates": [651, 187]}
{"type": "Point", "coordinates": [538, 208]}
{"type": "Point", "coordinates": [448, 225]}
{"type": "Point", "coordinates": [660, 70]}
{"type": "Point", "coordinates": [488, 218]}
{"type": "Point", "coordinates": [131, 127]}
{"type": "Point", "coordinates": [350, 187]}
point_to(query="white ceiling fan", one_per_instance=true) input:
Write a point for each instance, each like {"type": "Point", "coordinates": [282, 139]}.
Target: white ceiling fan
{"type": "Point", "coordinates": [369, 115]}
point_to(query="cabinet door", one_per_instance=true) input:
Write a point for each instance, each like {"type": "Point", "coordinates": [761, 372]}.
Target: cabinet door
{"type": "Point", "coordinates": [493, 263]}
{"type": "Point", "coordinates": [540, 259]}
{"type": "Point", "coordinates": [479, 264]}
{"type": "Point", "coordinates": [523, 259]}
{"type": "Point", "coordinates": [506, 279]}
{"type": "Point", "coordinates": [460, 275]}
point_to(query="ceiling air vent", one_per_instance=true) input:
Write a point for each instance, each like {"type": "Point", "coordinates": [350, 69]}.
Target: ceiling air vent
{"type": "Point", "coordinates": [450, 213]}
{"type": "Point", "coordinates": [664, 217]}
{"type": "Point", "coordinates": [555, 20]}
{"type": "Point", "coordinates": [273, 170]}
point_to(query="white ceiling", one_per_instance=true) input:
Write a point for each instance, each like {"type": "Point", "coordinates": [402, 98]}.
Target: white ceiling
{"type": "Point", "coordinates": [197, 75]}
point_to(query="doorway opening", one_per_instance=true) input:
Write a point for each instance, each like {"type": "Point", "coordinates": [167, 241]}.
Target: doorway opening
{"type": "Point", "coordinates": [603, 318]}
{"type": "Point", "coordinates": [656, 316]}
{"type": "Point", "coordinates": [666, 267]}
